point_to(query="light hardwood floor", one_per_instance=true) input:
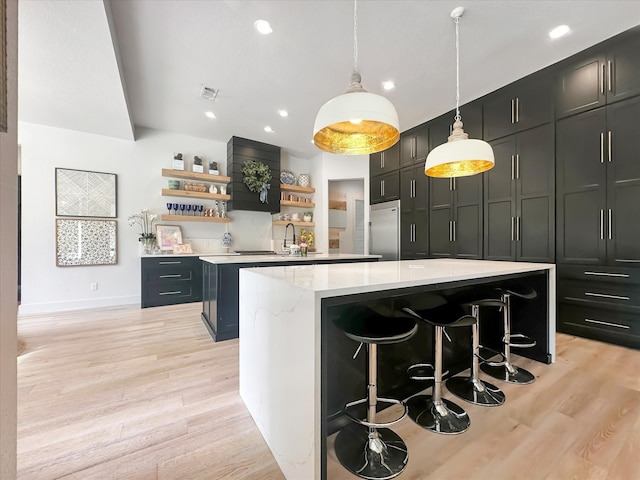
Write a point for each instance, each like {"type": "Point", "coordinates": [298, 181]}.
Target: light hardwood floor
{"type": "Point", "coordinates": [125, 393]}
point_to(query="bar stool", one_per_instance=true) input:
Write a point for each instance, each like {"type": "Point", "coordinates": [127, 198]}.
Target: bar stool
{"type": "Point", "coordinates": [471, 388]}
{"type": "Point", "coordinates": [507, 371]}
{"type": "Point", "coordinates": [433, 412]}
{"type": "Point", "coordinates": [367, 448]}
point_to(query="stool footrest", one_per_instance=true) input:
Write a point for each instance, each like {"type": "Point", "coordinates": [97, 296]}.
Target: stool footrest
{"type": "Point", "coordinates": [416, 371]}
{"type": "Point", "coordinates": [521, 341]}
{"type": "Point", "coordinates": [362, 401]}
{"type": "Point", "coordinates": [485, 353]}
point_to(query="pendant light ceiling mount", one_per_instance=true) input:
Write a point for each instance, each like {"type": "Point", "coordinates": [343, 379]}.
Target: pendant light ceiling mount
{"type": "Point", "coordinates": [460, 156]}
{"type": "Point", "coordinates": [356, 122]}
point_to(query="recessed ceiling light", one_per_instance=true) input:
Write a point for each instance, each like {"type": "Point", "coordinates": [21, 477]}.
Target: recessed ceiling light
{"type": "Point", "coordinates": [263, 27]}
{"type": "Point", "coordinates": [210, 114]}
{"type": "Point", "coordinates": [559, 31]}
{"type": "Point", "coordinates": [283, 113]}
{"type": "Point", "coordinates": [268, 129]}
{"type": "Point", "coordinates": [388, 85]}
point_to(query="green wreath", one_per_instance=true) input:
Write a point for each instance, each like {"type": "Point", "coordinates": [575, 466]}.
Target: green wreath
{"type": "Point", "coordinates": [256, 174]}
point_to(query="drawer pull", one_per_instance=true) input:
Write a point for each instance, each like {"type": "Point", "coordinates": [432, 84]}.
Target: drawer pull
{"type": "Point", "coordinates": [606, 323]}
{"type": "Point", "coordinates": [604, 295]}
{"type": "Point", "coordinates": [170, 293]}
{"type": "Point", "coordinates": [174, 275]}
{"type": "Point", "coordinates": [604, 274]}
{"type": "Point", "coordinates": [169, 263]}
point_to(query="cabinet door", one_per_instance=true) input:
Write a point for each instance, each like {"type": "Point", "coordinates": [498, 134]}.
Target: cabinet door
{"type": "Point", "coordinates": [407, 190]}
{"type": "Point", "coordinates": [580, 86]}
{"type": "Point", "coordinates": [623, 182]}
{"type": "Point", "coordinates": [375, 189]}
{"type": "Point", "coordinates": [499, 202]}
{"type": "Point", "coordinates": [535, 199]}
{"type": "Point", "coordinates": [467, 227]}
{"type": "Point", "coordinates": [406, 236]}
{"type": "Point", "coordinates": [385, 161]}
{"type": "Point", "coordinates": [498, 114]}
{"type": "Point", "coordinates": [407, 148]}
{"type": "Point", "coordinates": [422, 144]}
{"type": "Point", "coordinates": [533, 103]}
{"type": "Point", "coordinates": [390, 186]}
{"type": "Point", "coordinates": [623, 70]}
{"type": "Point", "coordinates": [440, 129]}
{"type": "Point", "coordinates": [581, 188]}
{"type": "Point", "coordinates": [414, 145]}
{"type": "Point", "coordinates": [440, 217]}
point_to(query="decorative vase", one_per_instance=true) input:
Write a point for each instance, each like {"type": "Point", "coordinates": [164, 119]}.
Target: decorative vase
{"type": "Point", "coordinates": [304, 180]}
{"type": "Point", "coordinates": [307, 218]}
{"type": "Point", "coordinates": [146, 245]}
{"type": "Point", "coordinates": [303, 251]}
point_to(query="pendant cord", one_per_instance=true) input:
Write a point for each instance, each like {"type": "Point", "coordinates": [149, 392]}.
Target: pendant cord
{"type": "Point", "coordinates": [457, 117]}
{"type": "Point", "coordinates": [355, 36]}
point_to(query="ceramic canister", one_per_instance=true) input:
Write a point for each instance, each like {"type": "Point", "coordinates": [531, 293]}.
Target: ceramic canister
{"type": "Point", "coordinates": [304, 180]}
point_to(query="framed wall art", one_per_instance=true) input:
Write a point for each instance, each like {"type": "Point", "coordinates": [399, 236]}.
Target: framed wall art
{"type": "Point", "coordinates": [167, 236]}
{"type": "Point", "coordinates": [81, 193]}
{"type": "Point", "coordinates": [85, 242]}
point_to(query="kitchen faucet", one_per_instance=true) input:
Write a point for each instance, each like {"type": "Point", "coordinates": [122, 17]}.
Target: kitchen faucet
{"type": "Point", "coordinates": [286, 229]}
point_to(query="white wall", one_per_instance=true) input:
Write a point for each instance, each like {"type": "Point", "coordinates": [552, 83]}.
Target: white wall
{"type": "Point", "coordinates": [8, 257]}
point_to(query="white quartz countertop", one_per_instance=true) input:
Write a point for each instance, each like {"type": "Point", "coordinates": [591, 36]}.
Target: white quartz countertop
{"type": "Point", "coordinates": [352, 278]}
{"type": "Point", "coordinates": [233, 259]}
{"type": "Point", "coordinates": [169, 254]}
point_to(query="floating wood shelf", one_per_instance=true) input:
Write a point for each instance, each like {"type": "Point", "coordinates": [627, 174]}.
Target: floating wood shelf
{"type": "Point", "coordinates": [194, 218]}
{"type": "Point", "coordinates": [167, 172]}
{"type": "Point", "coordinates": [290, 203]}
{"type": "Point", "coordinates": [189, 194]}
{"type": "Point", "coordinates": [296, 188]}
{"type": "Point", "coordinates": [297, 224]}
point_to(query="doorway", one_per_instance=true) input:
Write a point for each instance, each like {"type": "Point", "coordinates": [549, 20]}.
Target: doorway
{"type": "Point", "coordinates": [346, 216]}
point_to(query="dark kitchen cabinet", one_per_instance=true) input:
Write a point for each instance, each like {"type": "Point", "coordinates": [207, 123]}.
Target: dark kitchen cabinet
{"type": "Point", "coordinates": [601, 76]}
{"type": "Point", "coordinates": [414, 145]}
{"type": "Point", "coordinates": [414, 187]}
{"type": "Point", "coordinates": [524, 104]}
{"type": "Point", "coordinates": [170, 280]}
{"type": "Point", "coordinates": [385, 187]}
{"type": "Point", "coordinates": [519, 200]}
{"type": "Point", "coordinates": [455, 217]}
{"type": "Point", "coordinates": [598, 186]}
{"type": "Point", "coordinates": [384, 162]}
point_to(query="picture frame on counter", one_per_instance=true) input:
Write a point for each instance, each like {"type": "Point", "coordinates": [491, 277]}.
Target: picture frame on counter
{"type": "Point", "coordinates": [84, 193]}
{"type": "Point", "coordinates": [167, 236]}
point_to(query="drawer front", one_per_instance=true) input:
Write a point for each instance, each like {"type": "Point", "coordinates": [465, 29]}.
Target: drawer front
{"type": "Point", "coordinates": [614, 327]}
{"type": "Point", "coordinates": [617, 275]}
{"type": "Point", "coordinates": [600, 295]}
{"type": "Point", "coordinates": [173, 293]}
{"type": "Point", "coordinates": [168, 274]}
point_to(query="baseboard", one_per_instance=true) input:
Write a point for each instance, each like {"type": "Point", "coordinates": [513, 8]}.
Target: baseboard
{"type": "Point", "coordinates": [25, 309]}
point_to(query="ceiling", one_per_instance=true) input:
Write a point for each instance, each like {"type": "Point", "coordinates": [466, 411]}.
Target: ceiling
{"type": "Point", "coordinates": [108, 67]}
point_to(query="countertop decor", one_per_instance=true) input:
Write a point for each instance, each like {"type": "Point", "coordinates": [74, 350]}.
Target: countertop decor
{"type": "Point", "coordinates": [146, 220]}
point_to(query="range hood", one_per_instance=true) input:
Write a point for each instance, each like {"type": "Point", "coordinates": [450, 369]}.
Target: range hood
{"type": "Point", "coordinates": [239, 150]}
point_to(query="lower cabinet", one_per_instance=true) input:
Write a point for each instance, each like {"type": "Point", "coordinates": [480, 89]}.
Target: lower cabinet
{"type": "Point", "coordinates": [602, 303]}
{"type": "Point", "coordinates": [170, 280]}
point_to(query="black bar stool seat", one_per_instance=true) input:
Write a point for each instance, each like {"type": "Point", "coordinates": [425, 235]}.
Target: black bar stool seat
{"type": "Point", "coordinates": [433, 412]}
{"type": "Point", "coordinates": [366, 447]}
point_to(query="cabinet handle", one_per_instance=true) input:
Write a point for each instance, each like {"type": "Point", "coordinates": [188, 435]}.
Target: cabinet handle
{"type": "Point", "coordinates": [413, 182]}
{"type": "Point", "coordinates": [454, 183]}
{"type": "Point", "coordinates": [609, 144]}
{"type": "Point", "coordinates": [609, 75]}
{"type": "Point", "coordinates": [604, 295]}
{"type": "Point", "coordinates": [413, 225]}
{"type": "Point", "coordinates": [517, 229]}
{"type": "Point", "coordinates": [513, 221]}
{"type": "Point", "coordinates": [605, 274]}
{"type": "Point", "coordinates": [382, 161]}
{"type": "Point", "coordinates": [606, 323]}
{"type": "Point", "coordinates": [450, 230]}
{"type": "Point", "coordinates": [602, 79]}
{"type": "Point", "coordinates": [169, 263]}
{"type": "Point", "coordinates": [512, 114]}
{"type": "Point", "coordinates": [517, 165]}
{"type": "Point", "coordinates": [517, 110]}
{"type": "Point", "coordinates": [382, 188]}
{"type": "Point", "coordinates": [414, 147]}
{"type": "Point", "coordinates": [171, 293]}
{"type": "Point", "coordinates": [454, 230]}
{"type": "Point", "coordinates": [175, 275]}
{"type": "Point", "coordinates": [610, 224]}
{"type": "Point", "coordinates": [601, 147]}
{"type": "Point", "coordinates": [513, 168]}
{"type": "Point", "coordinates": [601, 224]}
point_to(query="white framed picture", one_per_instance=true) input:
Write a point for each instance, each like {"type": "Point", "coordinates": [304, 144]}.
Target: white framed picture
{"type": "Point", "coordinates": [167, 236]}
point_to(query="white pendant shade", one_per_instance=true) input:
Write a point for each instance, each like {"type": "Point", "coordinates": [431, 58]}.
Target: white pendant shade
{"type": "Point", "coordinates": [356, 123]}
{"type": "Point", "coordinates": [459, 158]}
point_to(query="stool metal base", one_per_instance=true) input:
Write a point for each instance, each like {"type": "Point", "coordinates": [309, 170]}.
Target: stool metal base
{"type": "Point", "coordinates": [479, 393]}
{"type": "Point", "coordinates": [446, 418]}
{"type": "Point", "coordinates": [509, 373]}
{"type": "Point", "coordinates": [382, 456]}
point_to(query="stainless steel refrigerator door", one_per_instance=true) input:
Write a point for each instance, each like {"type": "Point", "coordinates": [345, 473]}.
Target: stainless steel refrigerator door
{"type": "Point", "coordinates": [384, 231]}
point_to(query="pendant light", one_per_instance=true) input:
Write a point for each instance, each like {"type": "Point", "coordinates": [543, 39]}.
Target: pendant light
{"type": "Point", "coordinates": [356, 122]}
{"type": "Point", "coordinates": [460, 156]}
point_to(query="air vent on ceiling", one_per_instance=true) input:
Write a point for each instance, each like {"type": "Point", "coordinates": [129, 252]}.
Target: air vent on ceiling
{"type": "Point", "coordinates": [209, 93]}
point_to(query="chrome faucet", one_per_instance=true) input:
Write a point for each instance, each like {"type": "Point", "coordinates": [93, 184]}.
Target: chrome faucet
{"type": "Point", "coordinates": [286, 229]}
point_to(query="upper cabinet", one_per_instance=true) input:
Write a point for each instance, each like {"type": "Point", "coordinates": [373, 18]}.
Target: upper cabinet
{"type": "Point", "coordinates": [386, 161]}
{"type": "Point", "coordinates": [524, 104]}
{"type": "Point", "coordinates": [599, 77]}
{"type": "Point", "coordinates": [414, 145]}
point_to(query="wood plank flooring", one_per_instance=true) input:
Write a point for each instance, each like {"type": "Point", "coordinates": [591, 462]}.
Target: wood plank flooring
{"type": "Point", "coordinates": [125, 393]}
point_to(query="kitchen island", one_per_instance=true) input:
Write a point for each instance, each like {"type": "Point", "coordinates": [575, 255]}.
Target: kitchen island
{"type": "Point", "coordinates": [296, 369]}
{"type": "Point", "coordinates": [220, 284]}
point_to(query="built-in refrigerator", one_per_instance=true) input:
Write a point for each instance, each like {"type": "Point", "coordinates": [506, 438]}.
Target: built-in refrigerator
{"type": "Point", "coordinates": [384, 230]}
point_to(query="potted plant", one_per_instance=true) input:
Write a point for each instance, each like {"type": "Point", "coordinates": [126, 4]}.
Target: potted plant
{"type": "Point", "coordinates": [307, 216]}
{"type": "Point", "coordinates": [197, 164]}
{"type": "Point", "coordinates": [213, 168]}
{"type": "Point", "coordinates": [178, 162]}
